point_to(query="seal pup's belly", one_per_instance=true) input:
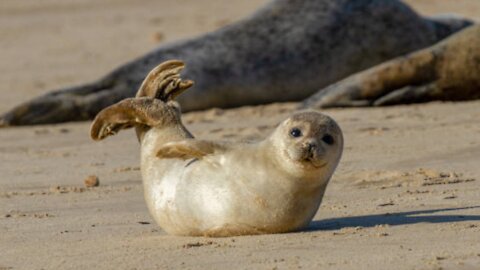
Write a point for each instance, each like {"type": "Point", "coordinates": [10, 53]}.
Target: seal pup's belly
{"type": "Point", "coordinates": [218, 196]}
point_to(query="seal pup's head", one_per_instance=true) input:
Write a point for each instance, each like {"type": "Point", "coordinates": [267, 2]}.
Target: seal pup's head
{"type": "Point", "coordinates": [308, 144]}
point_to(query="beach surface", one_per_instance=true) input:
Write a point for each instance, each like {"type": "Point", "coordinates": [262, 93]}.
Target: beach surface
{"type": "Point", "coordinates": [406, 194]}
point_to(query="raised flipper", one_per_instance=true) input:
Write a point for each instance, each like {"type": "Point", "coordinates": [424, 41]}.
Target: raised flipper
{"type": "Point", "coordinates": [190, 148]}
{"type": "Point", "coordinates": [164, 82]}
{"type": "Point", "coordinates": [154, 105]}
{"type": "Point", "coordinates": [131, 112]}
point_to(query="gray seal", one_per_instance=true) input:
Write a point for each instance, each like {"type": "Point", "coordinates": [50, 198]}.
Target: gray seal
{"type": "Point", "coordinates": [286, 51]}
{"type": "Point", "coordinates": [449, 70]}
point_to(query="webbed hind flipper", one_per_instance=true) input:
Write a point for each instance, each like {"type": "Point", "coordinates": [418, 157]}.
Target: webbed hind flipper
{"type": "Point", "coordinates": [164, 82]}
{"type": "Point", "coordinates": [130, 112]}
{"type": "Point", "coordinates": [153, 105]}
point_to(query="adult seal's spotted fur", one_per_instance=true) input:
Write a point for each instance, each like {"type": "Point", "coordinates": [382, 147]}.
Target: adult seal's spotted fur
{"type": "Point", "coordinates": [286, 51]}
{"type": "Point", "coordinates": [449, 70]}
{"type": "Point", "coordinates": [200, 187]}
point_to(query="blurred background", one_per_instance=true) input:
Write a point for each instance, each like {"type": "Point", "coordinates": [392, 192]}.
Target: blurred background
{"type": "Point", "coordinates": [49, 220]}
{"type": "Point", "coordinates": [47, 44]}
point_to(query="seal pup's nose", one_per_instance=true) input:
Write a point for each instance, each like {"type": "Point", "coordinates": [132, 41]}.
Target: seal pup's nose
{"type": "Point", "coordinates": [310, 148]}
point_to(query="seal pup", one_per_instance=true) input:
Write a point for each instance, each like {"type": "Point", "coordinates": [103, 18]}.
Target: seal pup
{"type": "Point", "coordinates": [286, 51]}
{"type": "Point", "coordinates": [449, 70]}
{"type": "Point", "coordinates": [208, 188]}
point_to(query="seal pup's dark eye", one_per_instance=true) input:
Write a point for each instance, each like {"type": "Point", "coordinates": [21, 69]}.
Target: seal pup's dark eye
{"type": "Point", "coordinates": [328, 139]}
{"type": "Point", "coordinates": [295, 132]}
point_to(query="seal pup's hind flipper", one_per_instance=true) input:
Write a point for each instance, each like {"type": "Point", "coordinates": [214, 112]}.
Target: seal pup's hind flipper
{"type": "Point", "coordinates": [164, 82]}
{"type": "Point", "coordinates": [132, 112]}
{"type": "Point", "coordinates": [188, 149]}
{"type": "Point", "coordinates": [153, 106]}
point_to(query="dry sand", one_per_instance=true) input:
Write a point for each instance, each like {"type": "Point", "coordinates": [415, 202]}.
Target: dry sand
{"type": "Point", "coordinates": [405, 196]}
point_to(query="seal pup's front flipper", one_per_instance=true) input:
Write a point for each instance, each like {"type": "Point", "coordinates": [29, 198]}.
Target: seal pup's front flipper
{"type": "Point", "coordinates": [190, 148]}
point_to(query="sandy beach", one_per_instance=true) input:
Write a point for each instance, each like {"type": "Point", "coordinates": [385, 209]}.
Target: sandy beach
{"type": "Point", "coordinates": [405, 195]}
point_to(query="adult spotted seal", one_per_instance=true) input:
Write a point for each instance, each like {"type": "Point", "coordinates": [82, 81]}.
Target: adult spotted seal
{"type": "Point", "coordinates": [286, 51]}
{"type": "Point", "coordinates": [449, 70]}
{"type": "Point", "coordinates": [198, 187]}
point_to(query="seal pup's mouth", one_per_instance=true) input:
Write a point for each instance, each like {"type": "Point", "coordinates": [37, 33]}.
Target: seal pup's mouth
{"type": "Point", "coordinates": [307, 159]}
{"type": "Point", "coordinates": [315, 162]}
{"type": "Point", "coordinates": [311, 158]}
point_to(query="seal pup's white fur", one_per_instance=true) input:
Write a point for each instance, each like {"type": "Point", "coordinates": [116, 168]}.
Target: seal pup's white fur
{"type": "Point", "coordinates": [199, 187]}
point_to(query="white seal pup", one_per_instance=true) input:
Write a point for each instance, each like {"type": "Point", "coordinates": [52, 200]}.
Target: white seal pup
{"type": "Point", "coordinates": [208, 188]}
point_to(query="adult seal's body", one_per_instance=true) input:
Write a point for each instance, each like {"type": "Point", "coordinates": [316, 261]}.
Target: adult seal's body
{"type": "Point", "coordinates": [449, 70]}
{"type": "Point", "coordinates": [286, 51]}
{"type": "Point", "coordinates": [198, 187]}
